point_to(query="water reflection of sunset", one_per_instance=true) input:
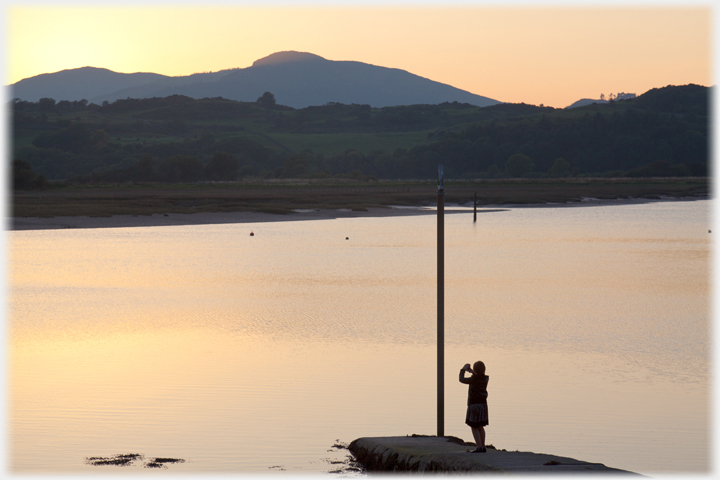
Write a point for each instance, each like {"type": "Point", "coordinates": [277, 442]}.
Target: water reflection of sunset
{"type": "Point", "coordinates": [202, 343]}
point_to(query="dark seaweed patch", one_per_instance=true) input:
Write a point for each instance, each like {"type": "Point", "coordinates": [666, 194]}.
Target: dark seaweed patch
{"type": "Point", "coordinates": [126, 459]}
{"type": "Point", "coordinates": [347, 465]}
{"type": "Point", "coordinates": [121, 460]}
{"type": "Point", "coordinates": [168, 460]}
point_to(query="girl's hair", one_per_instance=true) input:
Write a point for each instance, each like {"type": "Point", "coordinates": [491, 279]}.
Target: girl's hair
{"type": "Point", "coordinates": [479, 368]}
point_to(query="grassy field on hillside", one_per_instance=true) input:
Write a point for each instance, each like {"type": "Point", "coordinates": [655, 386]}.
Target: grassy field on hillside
{"type": "Point", "coordinates": [329, 143]}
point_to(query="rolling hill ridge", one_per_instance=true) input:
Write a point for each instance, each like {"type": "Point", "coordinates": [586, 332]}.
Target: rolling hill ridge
{"type": "Point", "coordinates": [296, 79]}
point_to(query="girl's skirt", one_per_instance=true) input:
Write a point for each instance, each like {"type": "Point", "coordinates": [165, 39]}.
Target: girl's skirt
{"type": "Point", "coordinates": [477, 415]}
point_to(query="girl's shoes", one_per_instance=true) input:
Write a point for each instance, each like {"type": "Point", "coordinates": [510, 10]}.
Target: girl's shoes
{"type": "Point", "coordinates": [479, 450]}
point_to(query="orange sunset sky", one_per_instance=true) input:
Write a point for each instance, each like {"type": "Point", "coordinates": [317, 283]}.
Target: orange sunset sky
{"type": "Point", "coordinates": [538, 54]}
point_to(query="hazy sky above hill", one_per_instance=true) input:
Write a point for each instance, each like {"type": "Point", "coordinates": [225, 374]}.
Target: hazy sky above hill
{"type": "Point", "coordinates": [551, 55]}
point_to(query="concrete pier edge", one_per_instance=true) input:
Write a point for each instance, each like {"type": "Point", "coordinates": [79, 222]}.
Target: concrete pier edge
{"type": "Point", "coordinates": [425, 453]}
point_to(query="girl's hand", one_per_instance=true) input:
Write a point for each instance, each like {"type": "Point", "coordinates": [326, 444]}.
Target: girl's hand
{"type": "Point", "coordinates": [467, 367]}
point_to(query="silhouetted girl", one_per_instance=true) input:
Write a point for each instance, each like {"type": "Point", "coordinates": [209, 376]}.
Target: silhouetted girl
{"type": "Point", "coordinates": [477, 410]}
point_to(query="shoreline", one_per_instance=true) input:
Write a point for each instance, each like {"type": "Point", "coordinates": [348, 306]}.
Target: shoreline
{"type": "Point", "coordinates": [218, 218]}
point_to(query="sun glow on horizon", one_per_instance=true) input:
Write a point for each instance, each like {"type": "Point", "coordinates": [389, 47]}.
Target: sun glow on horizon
{"type": "Point", "coordinates": [552, 56]}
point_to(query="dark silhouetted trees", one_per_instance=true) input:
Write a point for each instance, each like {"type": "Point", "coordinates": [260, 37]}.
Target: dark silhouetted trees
{"type": "Point", "coordinates": [560, 168]}
{"type": "Point", "coordinates": [181, 168]}
{"type": "Point", "coordinates": [662, 132]}
{"type": "Point", "coordinates": [222, 166]}
{"type": "Point", "coordinates": [518, 165]}
{"type": "Point", "coordinates": [24, 177]}
{"type": "Point", "coordinates": [266, 98]}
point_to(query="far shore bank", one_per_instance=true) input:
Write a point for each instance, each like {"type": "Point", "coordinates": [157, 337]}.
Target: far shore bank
{"type": "Point", "coordinates": [249, 217]}
{"type": "Point", "coordinates": [290, 198]}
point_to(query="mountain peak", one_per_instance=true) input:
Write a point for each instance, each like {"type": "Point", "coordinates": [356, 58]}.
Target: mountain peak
{"type": "Point", "coordinates": [296, 79]}
{"type": "Point", "coordinates": [286, 57]}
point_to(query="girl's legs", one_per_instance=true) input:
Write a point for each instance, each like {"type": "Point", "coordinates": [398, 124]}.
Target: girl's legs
{"type": "Point", "coordinates": [479, 436]}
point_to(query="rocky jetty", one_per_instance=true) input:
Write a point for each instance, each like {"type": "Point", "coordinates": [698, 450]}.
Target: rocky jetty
{"type": "Point", "coordinates": [420, 453]}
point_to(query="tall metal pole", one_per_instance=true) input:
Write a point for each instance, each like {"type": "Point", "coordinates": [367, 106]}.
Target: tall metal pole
{"type": "Point", "coordinates": [440, 305]}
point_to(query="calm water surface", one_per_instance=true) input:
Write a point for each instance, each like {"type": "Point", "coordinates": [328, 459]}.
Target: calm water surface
{"type": "Point", "coordinates": [257, 354]}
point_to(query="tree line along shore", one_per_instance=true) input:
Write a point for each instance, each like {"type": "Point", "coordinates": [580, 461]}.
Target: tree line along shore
{"type": "Point", "coordinates": [285, 196]}
{"type": "Point", "coordinates": [661, 133]}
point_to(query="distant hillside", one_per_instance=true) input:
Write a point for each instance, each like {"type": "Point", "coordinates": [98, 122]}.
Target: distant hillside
{"type": "Point", "coordinates": [686, 99]}
{"type": "Point", "coordinates": [296, 79]}
{"type": "Point", "coordinates": [585, 101]}
{"type": "Point", "coordinates": [90, 83]}
{"type": "Point", "coordinates": [663, 132]}
{"type": "Point", "coordinates": [588, 101]}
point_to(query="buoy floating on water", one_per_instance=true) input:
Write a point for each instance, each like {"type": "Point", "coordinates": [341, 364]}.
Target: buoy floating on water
{"type": "Point", "coordinates": [347, 238]}
{"type": "Point", "coordinates": [251, 234]}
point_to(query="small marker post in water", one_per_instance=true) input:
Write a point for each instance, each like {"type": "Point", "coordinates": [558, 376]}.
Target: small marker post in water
{"type": "Point", "coordinates": [475, 209]}
{"type": "Point", "coordinates": [440, 304]}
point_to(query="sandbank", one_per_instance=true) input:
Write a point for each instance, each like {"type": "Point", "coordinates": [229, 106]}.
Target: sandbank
{"type": "Point", "coordinates": [214, 218]}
